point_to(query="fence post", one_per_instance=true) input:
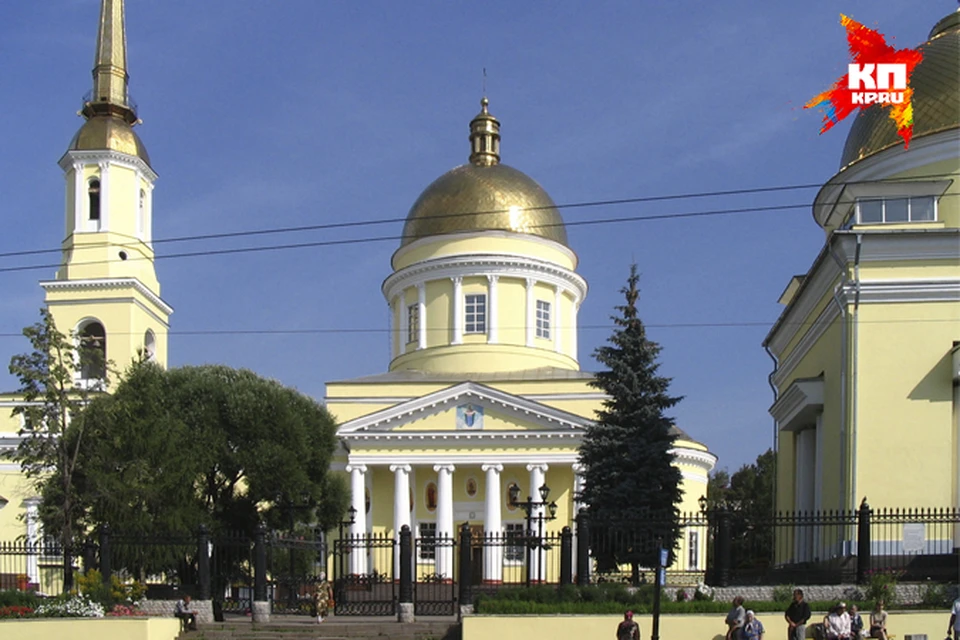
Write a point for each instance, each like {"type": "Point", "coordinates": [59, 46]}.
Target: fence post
{"type": "Point", "coordinates": [203, 563]}
{"type": "Point", "coordinates": [89, 556]}
{"type": "Point", "coordinates": [406, 574]}
{"type": "Point", "coordinates": [105, 568]}
{"type": "Point", "coordinates": [566, 556]}
{"type": "Point", "coordinates": [863, 542]}
{"type": "Point", "coordinates": [722, 562]}
{"type": "Point", "coordinates": [261, 607]}
{"type": "Point", "coordinates": [465, 580]}
{"type": "Point", "coordinates": [67, 568]}
{"type": "Point", "coordinates": [583, 549]}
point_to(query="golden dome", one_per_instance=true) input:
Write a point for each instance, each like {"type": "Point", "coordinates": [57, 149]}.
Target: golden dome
{"type": "Point", "coordinates": [110, 133]}
{"type": "Point", "coordinates": [936, 97]}
{"type": "Point", "coordinates": [484, 195]}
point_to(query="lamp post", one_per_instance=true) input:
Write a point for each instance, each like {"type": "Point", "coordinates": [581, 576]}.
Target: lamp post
{"type": "Point", "coordinates": [529, 506]}
{"type": "Point", "coordinates": [345, 548]}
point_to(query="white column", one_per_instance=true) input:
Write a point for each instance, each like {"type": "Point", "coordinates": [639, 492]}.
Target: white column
{"type": "Point", "coordinates": [401, 506]}
{"type": "Point", "coordinates": [80, 195]}
{"type": "Point", "coordinates": [404, 326]}
{"type": "Point", "coordinates": [358, 556]}
{"type": "Point", "coordinates": [531, 314]}
{"type": "Point", "coordinates": [573, 328]}
{"type": "Point", "coordinates": [537, 472]}
{"type": "Point", "coordinates": [444, 553]}
{"type": "Point", "coordinates": [33, 540]}
{"type": "Point", "coordinates": [104, 196]}
{"type": "Point", "coordinates": [492, 526]}
{"type": "Point", "coordinates": [422, 315]}
{"type": "Point", "coordinates": [577, 489]}
{"type": "Point", "coordinates": [457, 310]}
{"type": "Point", "coordinates": [492, 312]}
{"type": "Point", "coordinates": [555, 319]}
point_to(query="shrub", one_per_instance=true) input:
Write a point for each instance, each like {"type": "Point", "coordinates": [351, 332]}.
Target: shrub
{"type": "Point", "coordinates": [883, 586]}
{"type": "Point", "coordinates": [935, 595]}
{"type": "Point", "coordinates": [703, 593]}
{"type": "Point", "coordinates": [122, 610]}
{"type": "Point", "coordinates": [783, 593]}
{"type": "Point", "coordinates": [90, 584]}
{"type": "Point", "coordinates": [16, 598]}
{"type": "Point", "coordinates": [682, 595]}
{"type": "Point", "coordinates": [70, 606]}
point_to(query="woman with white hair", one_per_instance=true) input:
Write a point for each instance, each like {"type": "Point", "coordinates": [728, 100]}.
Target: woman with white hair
{"type": "Point", "coordinates": [752, 628]}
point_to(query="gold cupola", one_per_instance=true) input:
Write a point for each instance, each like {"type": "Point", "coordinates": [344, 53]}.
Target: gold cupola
{"type": "Point", "coordinates": [108, 109]}
{"type": "Point", "coordinates": [484, 195]}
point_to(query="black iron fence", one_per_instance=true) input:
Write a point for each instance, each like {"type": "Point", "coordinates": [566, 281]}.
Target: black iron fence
{"type": "Point", "coordinates": [373, 574]}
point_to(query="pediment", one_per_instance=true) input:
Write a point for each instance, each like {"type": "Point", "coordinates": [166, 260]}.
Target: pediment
{"type": "Point", "coordinates": [464, 409]}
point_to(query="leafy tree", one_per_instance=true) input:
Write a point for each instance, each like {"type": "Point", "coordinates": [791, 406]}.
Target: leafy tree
{"type": "Point", "coordinates": [170, 450]}
{"type": "Point", "coordinates": [631, 486]}
{"type": "Point", "coordinates": [53, 395]}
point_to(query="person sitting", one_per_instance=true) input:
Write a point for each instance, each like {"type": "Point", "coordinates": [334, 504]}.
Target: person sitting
{"type": "Point", "coordinates": [837, 623]}
{"type": "Point", "coordinates": [735, 619]}
{"type": "Point", "coordinates": [752, 628]}
{"type": "Point", "coordinates": [187, 614]}
{"type": "Point", "coordinates": [878, 621]}
{"type": "Point", "coordinates": [856, 623]}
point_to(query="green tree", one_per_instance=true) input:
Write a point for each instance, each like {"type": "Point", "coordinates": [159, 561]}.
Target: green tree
{"type": "Point", "coordinates": [54, 394]}
{"type": "Point", "coordinates": [170, 450]}
{"type": "Point", "coordinates": [631, 486]}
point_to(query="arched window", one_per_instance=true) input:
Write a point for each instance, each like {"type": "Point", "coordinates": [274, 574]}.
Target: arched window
{"type": "Point", "coordinates": [94, 192]}
{"type": "Point", "coordinates": [150, 346]}
{"type": "Point", "coordinates": [93, 351]}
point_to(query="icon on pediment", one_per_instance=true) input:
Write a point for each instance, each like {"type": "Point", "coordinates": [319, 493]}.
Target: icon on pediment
{"type": "Point", "coordinates": [469, 416]}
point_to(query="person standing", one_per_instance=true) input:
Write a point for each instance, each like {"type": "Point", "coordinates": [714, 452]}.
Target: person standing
{"type": "Point", "coordinates": [752, 628]}
{"type": "Point", "coordinates": [628, 629]}
{"type": "Point", "coordinates": [735, 619]}
{"type": "Point", "coordinates": [797, 615]}
{"type": "Point", "coordinates": [954, 626]}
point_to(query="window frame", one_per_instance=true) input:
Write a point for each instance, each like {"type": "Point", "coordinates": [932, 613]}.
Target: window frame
{"type": "Point", "coordinates": [413, 323]}
{"type": "Point", "coordinates": [94, 199]}
{"type": "Point", "coordinates": [910, 199]}
{"type": "Point", "coordinates": [514, 553]}
{"type": "Point", "coordinates": [427, 530]}
{"type": "Point", "coordinates": [693, 550]}
{"type": "Point", "coordinates": [544, 319]}
{"type": "Point", "coordinates": [475, 306]}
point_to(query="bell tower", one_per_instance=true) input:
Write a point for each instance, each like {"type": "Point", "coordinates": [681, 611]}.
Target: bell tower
{"type": "Point", "coordinates": [106, 288]}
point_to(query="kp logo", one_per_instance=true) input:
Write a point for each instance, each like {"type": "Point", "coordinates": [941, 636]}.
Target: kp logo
{"type": "Point", "coordinates": [879, 74]}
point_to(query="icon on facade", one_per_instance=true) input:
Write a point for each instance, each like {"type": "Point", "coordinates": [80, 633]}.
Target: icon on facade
{"type": "Point", "coordinates": [431, 497]}
{"type": "Point", "coordinates": [471, 487]}
{"type": "Point", "coordinates": [469, 416]}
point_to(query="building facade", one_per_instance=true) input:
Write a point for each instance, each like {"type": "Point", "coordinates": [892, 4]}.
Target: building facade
{"type": "Point", "coordinates": [866, 347]}
{"type": "Point", "coordinates": [484, 391]}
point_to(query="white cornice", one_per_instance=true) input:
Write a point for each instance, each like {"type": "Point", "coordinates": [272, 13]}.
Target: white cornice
{"type": "Point", "coordinates": [704, 459]}
{"type": "Point", "coordinates": [799, 404]}
{"type": "Point", "coordinates": [537, 397]}
{"type": "Point", "coordinates": [104, 155]}
{"type": "Point", "coordinates": [487, 234]}
{"type": "Point", "coordinates": [452, 457]}
{"type": "Point", "coordinates": [502, 265]}
{"type": "Point", "coordinates": [108, 283]}
{"type": "Point", "coordinates": [460, 437]}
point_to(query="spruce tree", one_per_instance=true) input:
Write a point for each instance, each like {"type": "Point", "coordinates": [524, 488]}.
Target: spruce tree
{"type": "Point", "coordinates": [631, 486]}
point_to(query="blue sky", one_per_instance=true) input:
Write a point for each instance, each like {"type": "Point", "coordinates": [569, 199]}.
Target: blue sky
{"type": "Point", "coordinates": [297, 112]}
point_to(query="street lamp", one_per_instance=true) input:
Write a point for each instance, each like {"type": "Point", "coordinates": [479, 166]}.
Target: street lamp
{"type": "Point", "coordinates": [702, 501]}
{"type": "Point", "coordinates": [529, 507]}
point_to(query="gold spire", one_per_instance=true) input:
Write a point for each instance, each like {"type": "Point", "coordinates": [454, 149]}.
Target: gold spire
{"type": "Point", "coordinates": [484, 137]}
{"type": "Point", "coordinates": [109, 96]}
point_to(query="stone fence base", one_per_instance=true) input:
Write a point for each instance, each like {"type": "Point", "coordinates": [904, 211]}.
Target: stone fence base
{"type": "Point", "coordinates": [164, 608]}
{"type": "Point", "coordinates": [906, 593]}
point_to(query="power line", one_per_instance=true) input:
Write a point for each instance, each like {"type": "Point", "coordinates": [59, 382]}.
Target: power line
{"type": "Point", "coordinates": [571, 205]}
{"type": "Point", "coordinates": [588, 327]}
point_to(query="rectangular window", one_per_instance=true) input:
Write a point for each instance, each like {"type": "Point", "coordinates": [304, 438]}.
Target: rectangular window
{"type": "Point", "coordinates": [428, 541]}
{"type": "Point", "coordinates": [475, 314]}
{"type": "Point", "coordinates": [513, 533]}
{"type": "Point", "coordinates": [894, 210]}
{"type": "Point", "coordinates": [694, 550]}
{"type": "Point", "coordinates": [543, 319]}
{"type": "Point", "coordinates": [413, 323]}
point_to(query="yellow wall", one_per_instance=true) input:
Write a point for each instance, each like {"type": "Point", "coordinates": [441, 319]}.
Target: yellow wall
{"type": "Point", "coordinates": [91, 629]}
{"type": "Point", "coordinates": [485, 244]}
{"type": "Point", "coordinates": [673, 627]}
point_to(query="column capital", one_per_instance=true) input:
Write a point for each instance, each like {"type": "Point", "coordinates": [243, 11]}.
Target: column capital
{"type": "Point", "coordinates": [444, 467]}
{"type": "Point", "coordinates": [492, 277]}
{"type": "Point", "coordinates": [578, 467]}
{"type": "Point", "coordinates": [421, 285]}
{"type": "Point", "coordinates": [456, 279]}
{"type": "Point", "coordinates": [403, 468]}
{"type": "Point", "coordinates": [494, 466]}
{"type": "Point", "coordinates": [539, 466]}
{"type": "Point", "coordinates": [362, 468]}
{"type": "Point", "coordinates": [531, 282]}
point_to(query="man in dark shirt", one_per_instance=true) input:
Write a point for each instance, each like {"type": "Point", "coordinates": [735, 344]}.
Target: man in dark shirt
{"type": "Point", "coordinates": [628, 629]}
{"type": "Point", "coordinates": [797, 615]}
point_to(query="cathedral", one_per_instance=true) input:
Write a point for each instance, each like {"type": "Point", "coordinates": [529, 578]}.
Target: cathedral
{"type": "Point", "coordinates": [484, 392]}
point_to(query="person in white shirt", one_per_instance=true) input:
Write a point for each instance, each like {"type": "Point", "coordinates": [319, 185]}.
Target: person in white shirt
{"type": "Point", "coordinates": [954, 625]}
{"type": "Point", "coordinates": [838, 623]}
